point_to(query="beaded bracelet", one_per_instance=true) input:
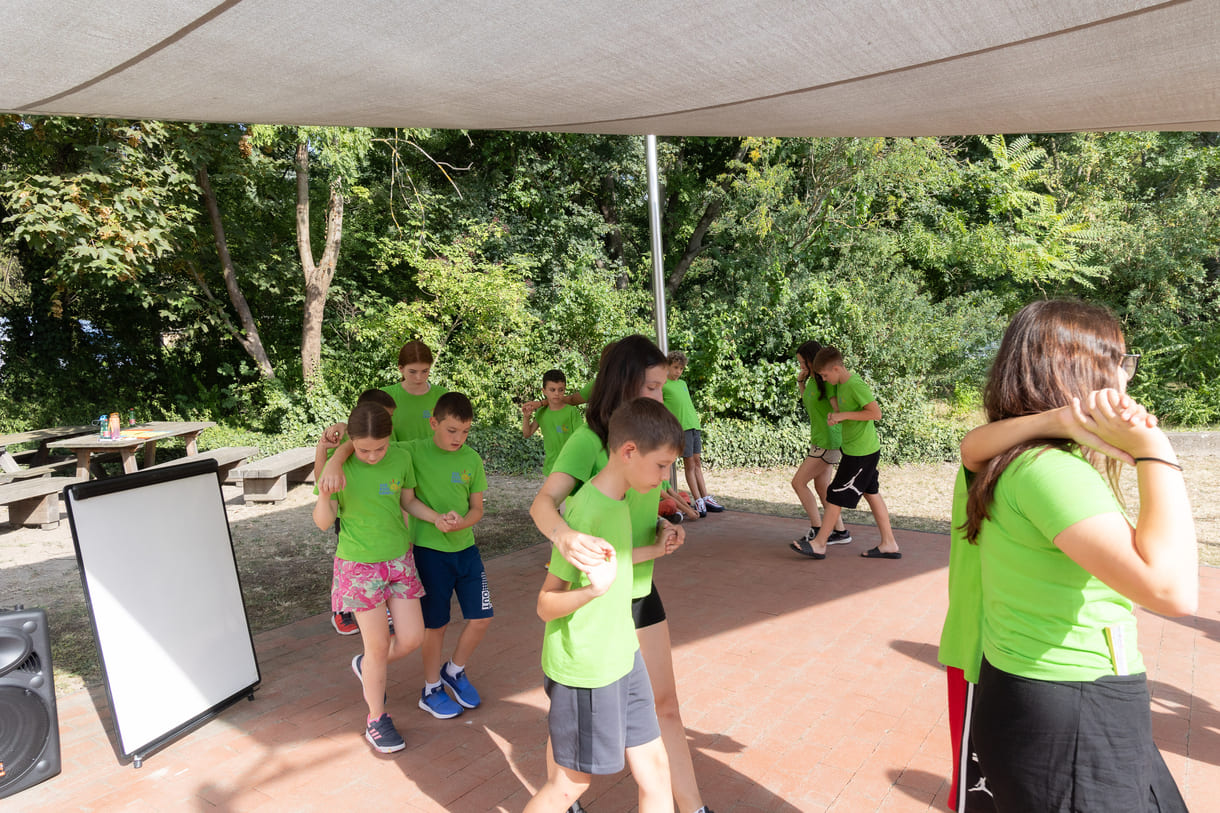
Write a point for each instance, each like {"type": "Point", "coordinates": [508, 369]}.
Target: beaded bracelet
{"type": "Point", "coordinates": [1169, 463]}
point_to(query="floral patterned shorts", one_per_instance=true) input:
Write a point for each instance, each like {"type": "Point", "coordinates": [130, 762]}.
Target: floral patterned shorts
{"type": "Point", "coordinates": [360, 586]}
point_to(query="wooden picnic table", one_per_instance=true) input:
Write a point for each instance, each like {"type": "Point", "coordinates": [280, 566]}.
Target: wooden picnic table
{"type": "Point", "coordinates": [142, 434]}
{"type": "Point", "coordinates": [43, 437]}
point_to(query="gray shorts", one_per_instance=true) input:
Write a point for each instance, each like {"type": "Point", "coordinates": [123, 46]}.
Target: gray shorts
{"type": "Point", "coordinates": [831, 456]}
{"type": "Point", "coordinates": [692, 443]}
{"type": "Point", "coordinates": [592, 728]}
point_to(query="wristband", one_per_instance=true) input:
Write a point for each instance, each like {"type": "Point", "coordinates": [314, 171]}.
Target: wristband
{"type": "Point", "coordinates": [1169, 463]}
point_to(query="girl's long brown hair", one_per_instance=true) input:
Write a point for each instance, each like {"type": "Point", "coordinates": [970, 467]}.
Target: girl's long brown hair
{"type": "Point", "coordinates": [620, 376]}
{"type": "Point", "coordinates": [1053, 351]}
{"type": "Point", "coordinates": [809, 351]}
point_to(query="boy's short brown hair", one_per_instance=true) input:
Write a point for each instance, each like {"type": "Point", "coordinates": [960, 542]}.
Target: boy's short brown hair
{"type": "Point", "coordinates": [647, 423]}
{"type": "Point", "coordinates": [677, 357]}
{"type": "Point", "coordinates": [379, 397]}
{"type": "Point", "coordinates": [827, 357]}
{"type": "Point", "coordinates": [453, 405]}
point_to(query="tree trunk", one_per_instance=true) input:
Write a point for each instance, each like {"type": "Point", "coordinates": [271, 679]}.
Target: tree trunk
{"type": "Point", "coordinates": [607, 202]}
{"type": "Point", "coordinates": [318, 275]}
{"type": "Point", "coordinates": [694, 246]}
{"type": "Point", "coordinates": [248, 335]}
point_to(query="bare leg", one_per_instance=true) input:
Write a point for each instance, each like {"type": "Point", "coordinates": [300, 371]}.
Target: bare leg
{"type": "Point", "coordinates": [650, 769]}
{"type": "Point", "coordinates": [471, 635]}
{"type": "Point", "coordinates": [375, 635]}
{"type": "Point", "coordinates": [809, 470]}
{"type": "Point", "coordinates": [698, 467]}
{"type": "Point", "coordinates": [833, 517]}
{"type": "Point", "coordinates": [694, 480]}
{"type": "Point", "coordinates": [430, 652]}
{"type": "Point", "coordinates": [822, 484]}
{"type": "Point", "coordinates": [563, 787]}
{"type": "Point", "coordinates": [881, 515]}
{"type": "Point", "coordinates": [654, 646]}
{"type": "Point", "coordinates": [408, 627]}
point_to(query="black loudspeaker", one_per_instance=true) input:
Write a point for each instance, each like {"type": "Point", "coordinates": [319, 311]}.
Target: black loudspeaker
{"type": "Point", "coordinates": [29, 726]}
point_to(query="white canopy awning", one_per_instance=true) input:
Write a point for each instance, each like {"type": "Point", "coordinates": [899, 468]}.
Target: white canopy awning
{"type": "Point", "coordinates": [672, 67]}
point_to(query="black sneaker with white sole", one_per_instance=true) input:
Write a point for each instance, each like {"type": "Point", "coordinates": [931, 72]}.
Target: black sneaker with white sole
{"type": "Point", "coordinates": [839, 537]}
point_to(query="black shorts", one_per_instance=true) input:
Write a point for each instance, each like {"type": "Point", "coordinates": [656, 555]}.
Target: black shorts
{"type": "Point", "coordinates": [1064, 745]}
{"type": "Point", "coordinates": [855, 477]}
{"type": "Point", "coordinates": [648, 610]}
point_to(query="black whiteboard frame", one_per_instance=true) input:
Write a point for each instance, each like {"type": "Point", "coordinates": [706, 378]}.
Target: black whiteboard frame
{"type": "Point", "coordinates": [77, 494]}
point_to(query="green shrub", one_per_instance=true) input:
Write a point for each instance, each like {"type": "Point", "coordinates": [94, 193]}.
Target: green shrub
{"type": "Point", "coordinates": [736, 443]}
{"type": "Point", "coordinates": [505, 451]}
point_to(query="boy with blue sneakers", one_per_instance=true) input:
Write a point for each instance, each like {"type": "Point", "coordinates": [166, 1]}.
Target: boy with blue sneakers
{"type": "Point", "coordinates": [449, 498]}
{"type": "Point", "coordinates": [590, 651]}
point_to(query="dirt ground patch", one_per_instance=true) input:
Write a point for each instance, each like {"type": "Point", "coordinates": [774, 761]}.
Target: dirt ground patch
{"type": "Point", "coordinates": [285, 562]}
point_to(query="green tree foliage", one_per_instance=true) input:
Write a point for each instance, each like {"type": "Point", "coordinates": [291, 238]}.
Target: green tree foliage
{"type": "Point", "coordinates": [510, 253]}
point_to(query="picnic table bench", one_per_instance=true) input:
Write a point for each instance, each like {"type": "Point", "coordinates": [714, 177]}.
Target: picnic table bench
{"type": "Point", "coordinates": [34, 501]}
{"type": "Point", "coordinates": [227, 458]}
{"type": "Point", "coordinates": [267, 480]}
{"type": "Point", "coordinates": [40, 454]}
{"type": "Point", "coordinates": [37, 471]}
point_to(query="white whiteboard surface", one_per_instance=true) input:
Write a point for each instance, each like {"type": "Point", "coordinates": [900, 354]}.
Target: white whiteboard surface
{"type": "Point", "coordinates": [160, 578]}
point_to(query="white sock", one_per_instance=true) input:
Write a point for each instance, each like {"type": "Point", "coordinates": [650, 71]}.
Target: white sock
{"type": "Point", "coordinates": [428, 687]}
{"type": "Point", "coordinates": [452, 669]}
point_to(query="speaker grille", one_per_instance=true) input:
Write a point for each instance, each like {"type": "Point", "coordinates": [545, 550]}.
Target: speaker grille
{"type": "Point", "coordinates": [25, 723]}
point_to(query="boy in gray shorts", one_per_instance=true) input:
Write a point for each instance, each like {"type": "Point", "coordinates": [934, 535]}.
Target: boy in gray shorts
{"type": "Point", "coordinates": [590, 652]}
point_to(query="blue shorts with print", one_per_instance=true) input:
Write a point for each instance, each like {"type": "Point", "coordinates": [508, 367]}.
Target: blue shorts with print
{"type": "Point", "coordinates": [445, 573]}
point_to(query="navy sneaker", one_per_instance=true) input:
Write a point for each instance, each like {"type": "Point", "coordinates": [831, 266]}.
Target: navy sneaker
{"type": "Point", "coordinates": [461, 688]}
{"type": "Point", "coordinates": [839, 537]}
{"type": "Point", "coordinates": [383, 736]}
{"type": "Point", "coordinates": [709, 502]}
{"type": "Point", "coordinates": [438, 703]}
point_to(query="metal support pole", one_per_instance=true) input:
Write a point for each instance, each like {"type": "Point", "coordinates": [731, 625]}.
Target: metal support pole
{"type": "Point", "coordinates": [654, 228]}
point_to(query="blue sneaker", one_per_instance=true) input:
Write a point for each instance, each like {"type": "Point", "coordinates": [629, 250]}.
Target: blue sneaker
{"type": "Point", "coordinates": [383, 736]}
{"type": "Point", "coordinates": [439, 704]}
{"type": "Point", "coordinates": [461, 688]}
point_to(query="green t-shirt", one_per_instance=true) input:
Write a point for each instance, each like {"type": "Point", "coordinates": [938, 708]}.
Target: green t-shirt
{"type": "Point", "coordinates": [859, 437]}
{"type": "Point", "coordinates": [372, 529]}
{"type": "Point", "coordinates": [677, 400]}
{"type": "Point", "coordinates": [586, 390]}
{"type": "Point", "coordinates": [818, 408]}
{"type": "Point", "coordinates": [583, 457]}
{"type": "Point", "coordinates": [961, 638]}
{"type": "Point", "coordinates": [1044, 616]}
{"type": "Point", "coordinates": [444, 481]}
{"type": "Point", "coordinates": [596, 645]}
{"type": "Point", "coordinates": [412, 412]}
{"type": "Point", "coordinates": [556, 426]}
